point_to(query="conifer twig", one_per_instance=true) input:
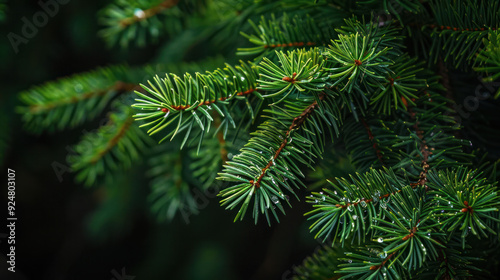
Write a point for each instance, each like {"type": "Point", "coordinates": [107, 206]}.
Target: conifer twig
{"type": "Point", "coordinates": [145, 14]}
{"type": "Point", "coordinates": [296, 123]}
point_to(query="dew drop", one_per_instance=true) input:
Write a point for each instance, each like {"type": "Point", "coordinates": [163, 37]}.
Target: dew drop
{"type": "Point", "coordinates": [354, 217]}
{"type": "Point", "coordinates": [275, 199]}
{"type": "Point", "coordinates": [78, 87]}
{"type": "Point", "coordinates": [380, 240]}
{"type": "Point", "coordinates": [138, 13]}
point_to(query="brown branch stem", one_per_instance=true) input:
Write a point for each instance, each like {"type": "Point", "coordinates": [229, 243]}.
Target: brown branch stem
{"type": "Point", "coordinates": [294, 44]}
{"type": "Point", "coordinates": [208, 102]}
{"type": "Point", "coordinates": [296, 123]}
{"type": "Point", "coordinates": [113, 141]}
{"type": "Point", "coordinates": [119, 87]}
{"type": "Point", "coordinates": [375, 145]}
{"type": "Point", "coordinates": [148, 13]}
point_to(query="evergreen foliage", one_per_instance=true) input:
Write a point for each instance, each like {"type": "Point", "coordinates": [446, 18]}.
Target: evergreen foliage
{"type": "Point", "coordinates": [378, 84]}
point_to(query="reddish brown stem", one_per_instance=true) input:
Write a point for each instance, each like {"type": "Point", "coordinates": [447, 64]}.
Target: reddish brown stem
{"type": "Point", "coordinates": [443, 27]}
{"type": "Point", "coordinates": [294, 44]}
{"type": "Point", "coordinates": [424, 150]}
{"type": "Point", "coordinates": [222, 141]}
{"type": "Point", "coordinates": [375, 267]}
{"type": "Point", "coordinates": [148, 13]}
{"type": "Point", "coordinates": [375, 144]}
{"type": "Point", "coordinates": [208, 102]}
{"type": "Point", "coordinates": [296, 123]}
{"type": "Point", "coordinates": [290, 80]}
{"type": "Point", "coordinates": [467, 208]}
{"type": "Point", "coordinates": [119, 87]}
{"type": "Point", "coordinates": [116, 138]}
{"type": "Point", "coordinates": [412, 233]}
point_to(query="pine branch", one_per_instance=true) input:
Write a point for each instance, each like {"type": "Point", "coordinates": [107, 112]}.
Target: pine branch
{"type": "Point", "coordinates": [369, 143]}
{"type": "Point", "coordinates": [184, 98]}
{"type": "Point", "coordinates": [70, 101]}
{"type": "Point", "coordinates": [320, 266]}
{"type": "Point", "coordinates": [140, 15]}
{"type": "Point", "coordinates": [269, 160]}
{"type": "Point", "coordinates": [284, 33]}
{"type": "Point", "coordinates": [465, 201]}
{"type": "Point", "coordinates": [385, 36]}
{"type": "Point", "coordinates": [299, 74]}
{"type": "Point", "coordinates": [392, 7]}
{"type": "Point", "coordinates": [341, 212]}
{"type": "Point", "coordinates": [412, 204]}
{"type": "Point", "coordinates": [489, 58]}
{"type": "Point", "coordinates": [170, 192]}
{"type": "Point", "coordinates": [460, 29]}
{"type": "Point", "coordinates": [214, 153]}
{"type": "Point", "coordinates": [337, 210]}
{"type": "Point", "coordinates": [357, 59]}
{"type": "Point", "coordinates": [114, 146]}
{"type": "Point", "coordinates": [140, 21]}
{"type": "Point", "coordinates": [401, 86]}
{"type": "Point", "coordinates": [296, 123]}
{"type": "Point", "coordinates": [452, 263]}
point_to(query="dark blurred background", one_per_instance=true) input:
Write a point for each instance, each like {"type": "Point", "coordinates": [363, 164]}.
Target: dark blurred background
{"type": "Point", "coordinates": [63, 232]}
